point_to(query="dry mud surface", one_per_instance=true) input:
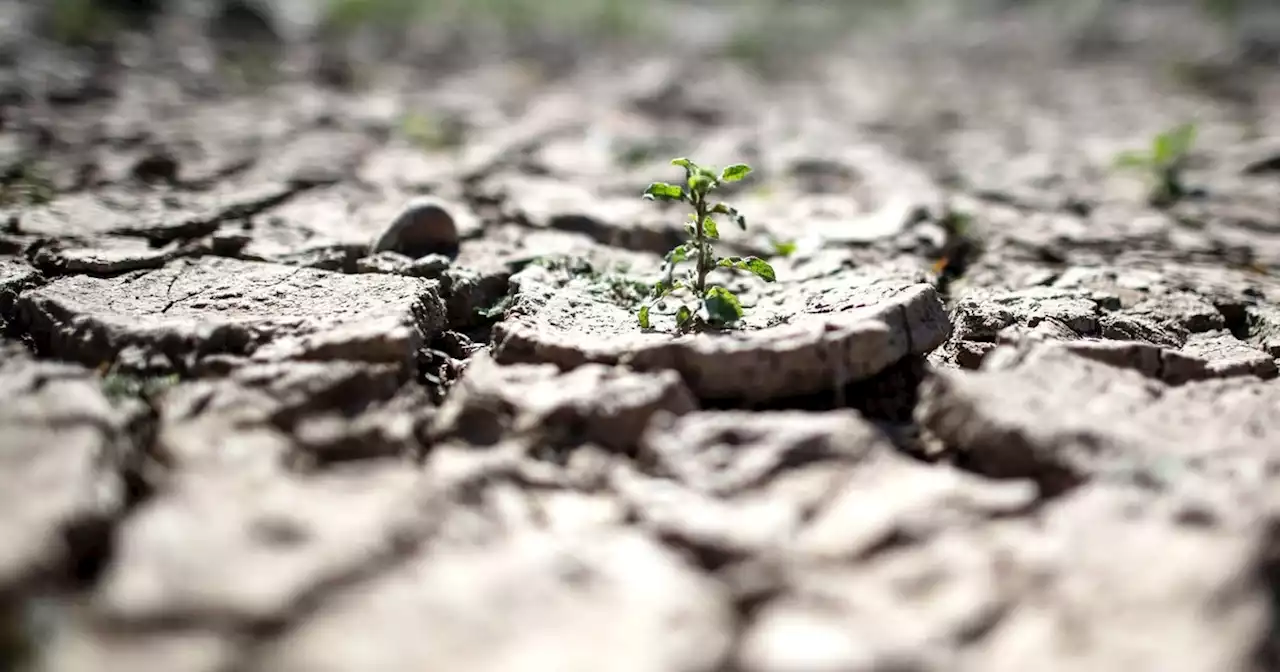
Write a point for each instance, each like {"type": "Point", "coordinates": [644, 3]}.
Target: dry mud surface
{"type": "Point", "coordinates": [286, 391]}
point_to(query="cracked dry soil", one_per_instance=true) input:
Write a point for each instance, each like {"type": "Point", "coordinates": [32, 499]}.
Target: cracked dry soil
{"type": "Point", "coordinates": [283, 391]}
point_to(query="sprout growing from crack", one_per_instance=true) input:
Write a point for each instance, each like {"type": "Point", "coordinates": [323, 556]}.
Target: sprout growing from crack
{"type": "Point", "coordinates": [714, 305]}
{"type": "Point", "coordinates": [1164, 163]}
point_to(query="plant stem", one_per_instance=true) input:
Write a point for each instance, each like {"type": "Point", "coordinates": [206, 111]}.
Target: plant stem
{"type": "Point", "coordinates": [699, 211]}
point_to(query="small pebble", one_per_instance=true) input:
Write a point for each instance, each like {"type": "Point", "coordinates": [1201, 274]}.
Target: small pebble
{"type": "Point", "coordinates": [425, 226]}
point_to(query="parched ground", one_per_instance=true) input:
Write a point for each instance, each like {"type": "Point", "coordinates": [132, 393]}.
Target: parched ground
{"type": "Point", "coordinates": [318, 360]}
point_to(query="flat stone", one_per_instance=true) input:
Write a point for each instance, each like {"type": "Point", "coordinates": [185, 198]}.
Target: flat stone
{"type": "Point", "coordinates": [609, 406]}
{"type": "Point", "coordinates": [799, 337]}
{"type": "Point", "coordinates": [579, 603]}
{"type": "Point", "coordinates": [193, 308]}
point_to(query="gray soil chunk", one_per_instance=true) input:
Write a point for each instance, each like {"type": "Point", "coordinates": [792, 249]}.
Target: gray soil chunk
{"type": "Point", "coordinates": [259, 415]}
{"type": "Point", "coordinates": [1110, 580]}
{"type": "Point", "coordinates": [60, 453]}
{"type": "Point", "coordinates": [364, 219]}
{"type": "Point", "coordinates": [89, 649]}
{"type": "Point", "coordinates": [1264, 328]}
{"type": "Point", "coordinates": [799, 338]}
{"type": "Point", "coordinates": [600, 600]}
{"type": "Point", "coordinates": [160, 215]}
{"type": "Point", "coordinates": [625, 222]}
{"type": "Point", "coordinates": [1171, 366]}
{"type": "Point", "coordinates": [245, 548]}
{"type": "Point", "coordinates": [727, 452]}
{"type": "Point", "coordinates": [981, 316]}
{"type": "Point", "coordinates": [806, 486]}
{"type": "Point", "coordinates": [1211, 321]}
{"type": "Point", "coordinates": [103, 256]}
{"type": "Point", "coordinates": [425, 226]}
{"type": "Point", "coordinates": [1101, 580]}
{"type": "Point", "coordinates": [1207, 355]}
{"type": "Point", "coordinates": [16, 276]}
{"type": "Point", "coordinates": [1063, 419]}
{"type": "Point", "coordinates": [385, 262]}
{"type": "Point", "coordinates": [609, 406]}
{"type": "Point", "coordinates": [193, 308]}
{"type": "Point", "coordinates": [1227, 356]}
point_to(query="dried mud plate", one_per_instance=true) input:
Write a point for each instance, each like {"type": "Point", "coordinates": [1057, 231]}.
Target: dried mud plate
{"type": "Point", "coordinates": [798, 338]}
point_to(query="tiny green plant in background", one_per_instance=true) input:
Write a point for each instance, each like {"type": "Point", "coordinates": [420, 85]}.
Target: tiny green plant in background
{"type": "Point", "coordinates": [1164, 163]}
{"type": "Point", "coordinates": [783, 247]}
{"type": "Point", "coordinates": [118, 387]}
{"type": "Point", "coordinates": [25, 184]}
{"type": "Point", "coordinates": [347, 16]}
{"type": "Point", "coordinates": [431, 133]}
{"type": "Point", "coordinates": [715, 305]}
{"type": "Point", "coordinates": [79, 22]}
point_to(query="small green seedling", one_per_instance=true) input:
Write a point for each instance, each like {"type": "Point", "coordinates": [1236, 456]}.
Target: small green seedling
{"type": "Point", "coordinates": [783, 247]}
{"type": "Point", "coordinates": [1164, 163]}
{"type": "Point", "coordinates": [715, 305]}
{"type": "Point", "coordinates": [118, 387]}
{"type": "Point", "coordinates": [25, 185]}
{"type": "Point", "coordinates": [430, 133]}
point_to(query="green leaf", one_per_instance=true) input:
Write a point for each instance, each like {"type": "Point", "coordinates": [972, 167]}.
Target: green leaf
{"type": "Point", "coordinates": [709, 229]}
{"type": "Point", "coordinates": [678, 254]}
{"type": "Point", "coordinates": [661, 191]}
{"type": "Point", "coordinates": [732, 213]}
{"type": "Point", "coordinates": [1136, 160]}
{"type": "Point", "coordinates": [699, 183]}
{"type": "Point", "coordinates": [684, 163]}
{"type": "Point", "coordinates": [753, 265]}
{"type": "Point", "coordinates": [683, 316]}
{"type": "Point", "coordinates": [760, 268]}
{"type": "Point", "coordinates": [644, 316]}
{"type": "Point", "coordinates": [783, 248]}
{"type": "Point", "coordinates": [735, 172]}
{"type": "Point", "coordinates": [722, 305]}
{"type": "Point", "coordinates": [1171, 145]}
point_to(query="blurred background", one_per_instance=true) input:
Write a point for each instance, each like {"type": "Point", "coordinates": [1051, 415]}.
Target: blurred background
{"type": "Point", "coordinates": [260, 40]}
